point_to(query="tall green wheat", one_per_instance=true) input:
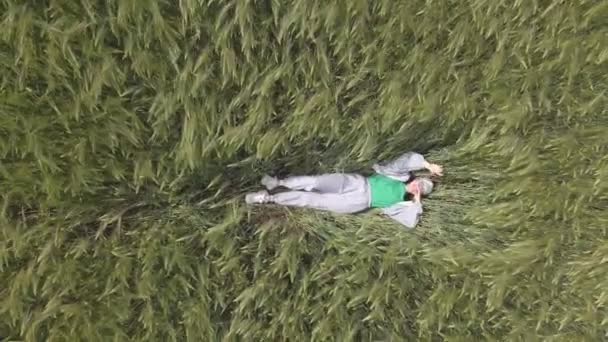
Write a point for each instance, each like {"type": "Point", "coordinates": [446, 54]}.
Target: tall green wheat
{"type": "Point", "coordinates": [129, 131]}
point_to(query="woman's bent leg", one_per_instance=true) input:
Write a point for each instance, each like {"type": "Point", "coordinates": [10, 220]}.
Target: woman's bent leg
{"type": "Point", "coordinates": [333, 183]}
{"type": "Point", "coordinates": [347, 203]}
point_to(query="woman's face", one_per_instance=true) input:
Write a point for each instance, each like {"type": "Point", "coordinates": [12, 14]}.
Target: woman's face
{"type": "Point", "coordinates": [413, 187]}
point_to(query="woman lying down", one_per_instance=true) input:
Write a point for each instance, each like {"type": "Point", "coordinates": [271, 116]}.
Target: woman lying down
{"type": "Point", "coordinates": [389, 189]}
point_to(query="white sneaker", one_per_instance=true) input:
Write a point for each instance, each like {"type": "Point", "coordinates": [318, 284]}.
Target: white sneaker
{"type": "Point", "coordinates": [270, 182]}
{"type": "Point", "coordinates": [257, 197]}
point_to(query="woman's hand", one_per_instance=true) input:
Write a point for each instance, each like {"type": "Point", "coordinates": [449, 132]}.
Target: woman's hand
{"type": "Point", "coordinates": [417, 195]}
{"type": "Point", "coordinates": [436, 170]}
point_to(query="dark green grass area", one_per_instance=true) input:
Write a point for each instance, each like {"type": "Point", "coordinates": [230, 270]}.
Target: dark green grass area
{"type": "Point", "coordinates": [130, 131]}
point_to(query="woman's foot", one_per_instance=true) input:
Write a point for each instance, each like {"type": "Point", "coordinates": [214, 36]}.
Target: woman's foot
{"type": "Point", "coordinates": [257, 197]}
{"type": "Point", "coordinates": [270, 183]}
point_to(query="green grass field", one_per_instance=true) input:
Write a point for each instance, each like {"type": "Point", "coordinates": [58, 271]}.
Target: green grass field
{"type": "Point", "coordinates": [131, 129]}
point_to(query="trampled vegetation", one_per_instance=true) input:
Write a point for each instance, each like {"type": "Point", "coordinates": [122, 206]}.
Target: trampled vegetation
{"type": "Point", "coordinates": [130, 130]}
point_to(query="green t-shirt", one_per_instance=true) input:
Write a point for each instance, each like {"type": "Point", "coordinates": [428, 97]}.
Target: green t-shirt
{"type": "Point", "coordinates": [385, 191]}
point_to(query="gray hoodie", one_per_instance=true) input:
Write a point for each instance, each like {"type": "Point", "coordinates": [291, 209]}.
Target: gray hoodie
{"type": "Point", "coordinates": [406, 212]}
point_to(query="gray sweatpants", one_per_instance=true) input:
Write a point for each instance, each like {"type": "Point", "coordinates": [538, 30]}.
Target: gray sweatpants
{"type": "Point", "coordinates": [337, 192]}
